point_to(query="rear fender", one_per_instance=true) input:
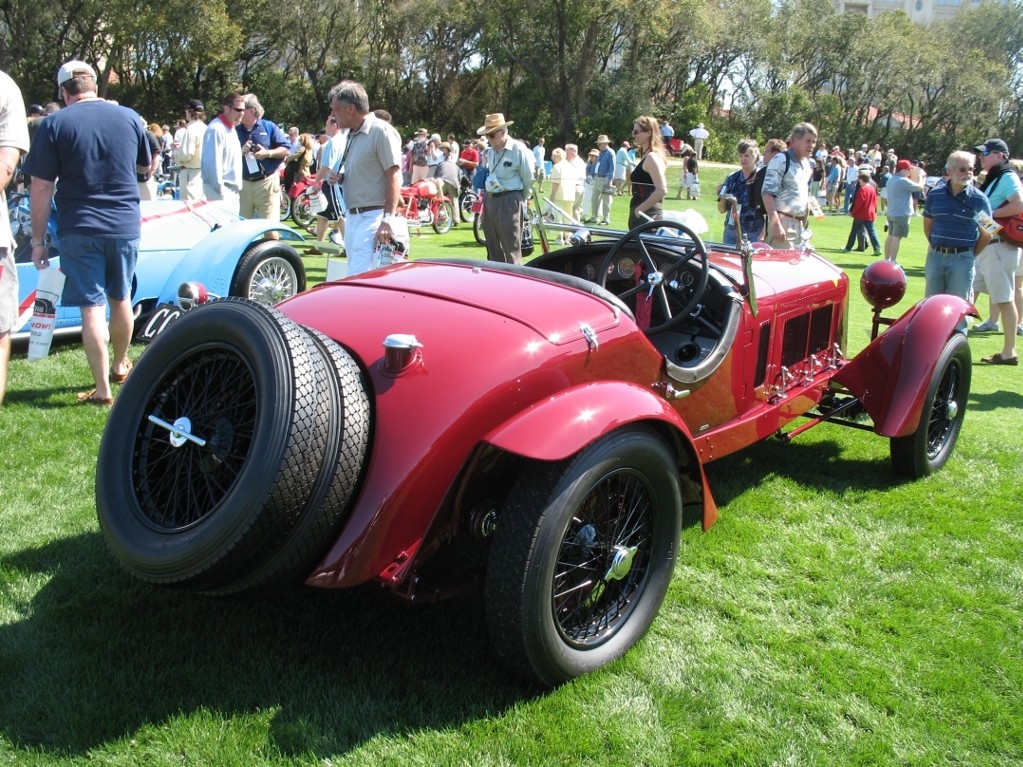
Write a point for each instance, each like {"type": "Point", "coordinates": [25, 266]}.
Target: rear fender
{"type": "Point", "coordinates": [562, 425]}
{"type": "Point", "coordinates": [213, 260]}
{"type": "Point", "coordinates": [892, 374]}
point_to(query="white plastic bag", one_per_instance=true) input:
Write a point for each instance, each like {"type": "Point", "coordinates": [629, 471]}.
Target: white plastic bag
{"type": "Point", "coordinates": [44, 312]}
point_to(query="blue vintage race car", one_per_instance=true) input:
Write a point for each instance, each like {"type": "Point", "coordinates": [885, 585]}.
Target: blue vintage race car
{"type": "Point", "coordinates": [181, 242]}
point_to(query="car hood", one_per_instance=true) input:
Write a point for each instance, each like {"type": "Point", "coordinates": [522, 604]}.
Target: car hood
{"type": "Point", "coordinates": [553, 313]}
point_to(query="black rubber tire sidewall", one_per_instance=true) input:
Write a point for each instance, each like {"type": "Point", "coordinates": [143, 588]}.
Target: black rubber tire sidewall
{"type": "Point", "coordinates": [279, 470]}
{"type": "Point", "coordinates": [524, 550]}
{"type": "Point", "coordinates": [909, 454]}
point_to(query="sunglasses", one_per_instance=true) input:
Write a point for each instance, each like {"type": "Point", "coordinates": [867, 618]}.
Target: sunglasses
{"type": "Point", "coordinates": [640, 130]}
{"type": "Point", "coordinates": [963, 169]}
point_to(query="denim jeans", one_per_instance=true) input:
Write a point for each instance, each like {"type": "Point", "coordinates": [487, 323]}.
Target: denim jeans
{"type": "Point", "coordinates": [850, 192]}
{"type": "Point", "coordinates": [859, 227]}
{"type": "Point", "coordinates": [950, 273]}
{"type": "Point", "coordinates": [96, 267]}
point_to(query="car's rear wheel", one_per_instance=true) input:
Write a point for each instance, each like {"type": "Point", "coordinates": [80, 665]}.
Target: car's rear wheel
{"type": "Point", "coordinates": [583, 555]}
{"type": "Point", "coordinates": [927, 449]}
{"type": "Point", "coordinates": [269, 272]}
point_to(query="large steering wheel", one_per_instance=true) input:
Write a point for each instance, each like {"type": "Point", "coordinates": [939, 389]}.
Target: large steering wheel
{"type": "Point", "coordinates": [655, 280]}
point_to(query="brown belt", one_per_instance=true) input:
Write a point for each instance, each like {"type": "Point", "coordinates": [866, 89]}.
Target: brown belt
{"type": "Point", "coordinates": [367, 209]}
{"type": "Point", "coordinates": [789, 215]}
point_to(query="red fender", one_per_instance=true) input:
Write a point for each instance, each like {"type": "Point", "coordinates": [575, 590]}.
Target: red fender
{"type": "Point", "coordinates": [583, 415]}
{"type": "Point", "coordinates": [891, 375]}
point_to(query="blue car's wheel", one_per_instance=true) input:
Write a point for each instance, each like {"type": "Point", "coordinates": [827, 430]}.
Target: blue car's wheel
{"type": "Point", "coordinates": [232, 453]}
{"type": "Point", "coordinates": [269, 272]}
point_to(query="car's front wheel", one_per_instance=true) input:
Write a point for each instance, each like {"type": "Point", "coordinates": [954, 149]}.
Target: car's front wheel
{"type": "Point", "coordinates": [583, 555]}
{"type": "Point", "coordinates": [269, 272]}
{"type": "Point", "coordinates": [927, 449]}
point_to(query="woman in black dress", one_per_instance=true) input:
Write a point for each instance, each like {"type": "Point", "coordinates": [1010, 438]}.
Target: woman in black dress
{"type": "Point", "coordinates": [649, 180]}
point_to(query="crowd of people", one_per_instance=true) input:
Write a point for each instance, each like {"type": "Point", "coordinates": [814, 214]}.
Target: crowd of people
{"type": "Point", "coordinates": [772, 200]}
{"type": "Point", "coordinates": [106, 157]}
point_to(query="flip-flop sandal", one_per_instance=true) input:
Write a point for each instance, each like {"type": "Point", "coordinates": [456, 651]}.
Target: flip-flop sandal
{"type": "Point", "coordinates": [998, 359]}
{"type": "Point", "coordinates": [120, 378]}
{"type": "Point", "coordinates": [90, 398]}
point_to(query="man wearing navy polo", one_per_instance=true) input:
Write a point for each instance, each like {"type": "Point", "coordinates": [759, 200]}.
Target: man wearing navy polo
{"type": "Point", "coordinates": [264, 147]}
{"type": "Point", "coordinates": [952, 229]}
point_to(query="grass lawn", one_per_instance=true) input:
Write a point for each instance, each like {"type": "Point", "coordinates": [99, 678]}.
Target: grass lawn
{"type": "Point", "coordinates": [834, 615]}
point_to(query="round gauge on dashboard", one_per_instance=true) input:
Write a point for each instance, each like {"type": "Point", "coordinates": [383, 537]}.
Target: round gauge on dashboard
{"type": "Point", "coordinates": [626, 268]}
{"type": "Point", "coordinates": [687, 279]}
{"type": "Point", "coordinates": [589, 272]}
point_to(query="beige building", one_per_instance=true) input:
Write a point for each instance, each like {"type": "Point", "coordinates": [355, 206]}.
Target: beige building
{"type": "Point", "coordinates": [920, 11]}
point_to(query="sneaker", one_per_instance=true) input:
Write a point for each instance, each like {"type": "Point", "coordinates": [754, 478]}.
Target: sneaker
{"type": "Point", "coordinates": [337, 239]}
{"type": "Point", "coordinates": [986, 327]}
{"type": "Point", "coordinates": [877, 253]}
{"type": "Point", "coordinates": [1019, 330]}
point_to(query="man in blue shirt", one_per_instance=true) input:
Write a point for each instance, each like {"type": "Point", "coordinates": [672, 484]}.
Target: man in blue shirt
{"type": "Point", "coordinates": [264, 147]}
{"type": "Point", "coordinates": [602, 178]}
{"type": "Point", "coordinates": [951, 226]}
{"type": "Point", "coordinates": [95, 148]}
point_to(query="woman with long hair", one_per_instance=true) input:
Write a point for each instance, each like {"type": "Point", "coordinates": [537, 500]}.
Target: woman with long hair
{"type": "Point", "coordinates": [649, 178]}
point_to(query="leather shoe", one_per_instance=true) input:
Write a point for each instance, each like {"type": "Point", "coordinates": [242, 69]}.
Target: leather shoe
{"type": "Point", "coordinates": [998, 359]}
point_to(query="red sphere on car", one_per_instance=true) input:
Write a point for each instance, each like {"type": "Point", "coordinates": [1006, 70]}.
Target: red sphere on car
{"type": "Point", "coordinates": [883, 284]}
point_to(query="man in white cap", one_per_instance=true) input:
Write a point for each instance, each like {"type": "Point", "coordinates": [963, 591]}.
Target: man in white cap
{"type": "Point", "coordinates": [509, 184]}
{"type": "Point", "coordinates": [94, 148]}
{"type": "Point", "coordinates": [13, 145]}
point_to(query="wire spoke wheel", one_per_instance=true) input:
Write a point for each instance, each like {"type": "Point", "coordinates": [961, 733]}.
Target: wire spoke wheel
{"type": "Point", "coordinates": [582, 556]}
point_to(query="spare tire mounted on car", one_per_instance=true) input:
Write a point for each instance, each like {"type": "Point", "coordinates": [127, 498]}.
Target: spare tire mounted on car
{"type": "Point", "coordinates": [233, 453]}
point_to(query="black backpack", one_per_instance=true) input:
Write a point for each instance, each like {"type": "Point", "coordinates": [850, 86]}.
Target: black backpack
{"type": "Point", "coordinates": [756, 197]}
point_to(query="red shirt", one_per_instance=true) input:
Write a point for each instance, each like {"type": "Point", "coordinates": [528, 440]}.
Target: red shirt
{"type": "Point", "coordinates": [864, 207]}
{"type": "Point", "coordinates": [469, 158]}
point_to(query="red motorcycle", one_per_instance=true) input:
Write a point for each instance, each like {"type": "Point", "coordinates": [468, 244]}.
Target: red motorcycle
{"type": "Point", "coordinates": [422, 204]}
{"type": "Point", "coordinates": [298, 202]}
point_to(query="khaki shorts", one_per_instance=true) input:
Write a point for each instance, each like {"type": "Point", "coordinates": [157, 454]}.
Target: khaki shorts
{"type": "Point", "coordinates": [8, 292]}
{"type": "Point", "coordinates": [262, 199]}
{"type": "Point", "coordinates": [996, 269]}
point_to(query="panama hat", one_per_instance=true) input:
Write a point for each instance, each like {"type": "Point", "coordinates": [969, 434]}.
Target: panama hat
{"type": "Point", "coordinates": [493, 122]}
{"type": "Point", "coordinates": [602, 139]}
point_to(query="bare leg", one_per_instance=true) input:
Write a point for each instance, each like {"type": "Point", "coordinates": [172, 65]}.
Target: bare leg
{"type": "Point", "coordinates": [5, 356]}
{"type": "Point", "coordinates": [95, 337]}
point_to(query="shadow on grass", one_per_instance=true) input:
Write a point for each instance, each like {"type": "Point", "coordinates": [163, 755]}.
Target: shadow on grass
{"type": "Point", "coordinates": [98, 657]}
{"type": "Point", "coordinates": [823, 465]}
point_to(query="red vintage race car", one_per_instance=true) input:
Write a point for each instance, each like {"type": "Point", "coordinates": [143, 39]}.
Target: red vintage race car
{"type": "Point", "coordinates": [534, 431]}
